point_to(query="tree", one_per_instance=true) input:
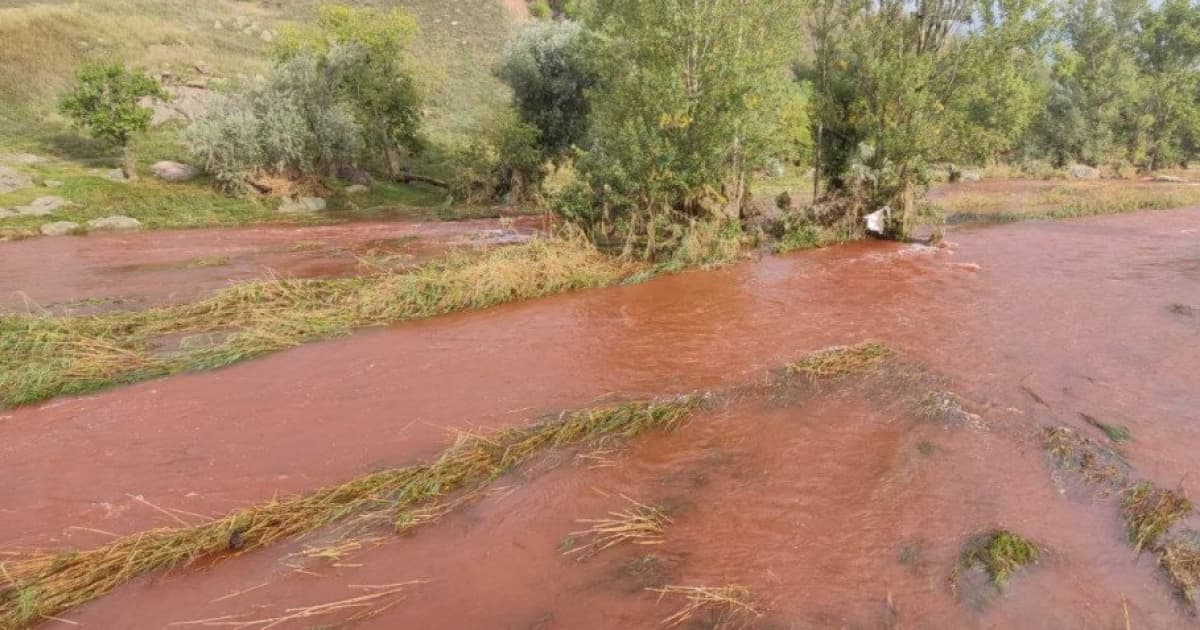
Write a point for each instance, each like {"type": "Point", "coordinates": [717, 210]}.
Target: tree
{"type": "Point", "coordinates": [909, 84]}
{"type": "Point", "coordinates": [366, 53]}
{"type": "Point", "coordinates": [683, 112]}
{"type": "Point", "coordinates": [550, 72]}
{"type": "Point", "coordinates": [1168, 54]}
{"type": "Point", "coordinates": [105, 101]}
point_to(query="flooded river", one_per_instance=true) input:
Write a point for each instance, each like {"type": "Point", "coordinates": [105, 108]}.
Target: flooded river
{"type": "Point", "coordinates": [835, 510]}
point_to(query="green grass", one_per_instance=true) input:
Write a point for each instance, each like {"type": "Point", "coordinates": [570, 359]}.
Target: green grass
{"type": "Point", "coordinates": [999, 553]}
{"type": "Point", "coordinates": [44, 42]}
{"type": "Point", "coordinates": [1118, 433]}
{"type": "Point", "coordinates": [45, 356]}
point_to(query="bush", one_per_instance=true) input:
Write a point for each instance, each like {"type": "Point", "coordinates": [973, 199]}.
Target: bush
{"type": "Point", "coordinates": [105, 100]}
{"type": "Point", "coordinates": [504, 160]}
{"type": "Point", "coordinates": [292, 125]}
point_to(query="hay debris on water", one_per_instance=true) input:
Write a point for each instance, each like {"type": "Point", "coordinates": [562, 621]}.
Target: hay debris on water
{"type": "Point", "coordinates": [717, 607]}
{"type": "Point", "coordinates": [46, 584]}
{"type": "Point", "coordinates": [639, 524]}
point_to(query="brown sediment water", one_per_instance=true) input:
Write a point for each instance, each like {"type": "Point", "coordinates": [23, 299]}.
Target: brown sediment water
{"type": "Point", "coordinates": [107, 271]}
{"type": "Point", "coordinates": [824, 509]}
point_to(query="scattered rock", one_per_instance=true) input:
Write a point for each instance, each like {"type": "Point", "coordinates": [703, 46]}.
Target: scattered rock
{"type": "Point", "coordinates": [59, 228]}
{"type": "Point", "coordinates": [1168, 179]}
{"type": "Point", "coordinates": [174, 171]}
{"type": "Point", "coordinates": [187, 102]}
{"type": "Point", "coordinates": [1082, 171]}
{"type": "Point", "coordinates": [52, 183]}
{"type": "Point", "coordinates": [302, 205]}
{"type": "Point", "coordinates": [12, 179]}
{"type": "Point", "coordinates": [114, 175]}
{"type": "Point", "coordinates": [115, 222]}
{"type": "Point", "coordinates": [971, 176]}
{"type": "Point", "coordinates": [217, 25]}
{"type": "Point", "coordinates": [41, 206]}
{"type": "Point", "coordinates": [5, 212]}
{"type": "Point", "coordinates": [267, 36]}
{"type": "Point", "coordinates": [356, 189]}
{"type": "Point", "coordinates": [202, 68]}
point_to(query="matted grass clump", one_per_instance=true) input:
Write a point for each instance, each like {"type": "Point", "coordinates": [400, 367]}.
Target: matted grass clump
{"type": "Point", "coordinates": [999, 553]}
{"type": "Point", "coordinates": [1149, 513]}
{"type": "Point", "coordinates": [42, 357]}
{"type": "Point", "coordinates": [1180, 558]}
{"type": "Point", "coordinates": [43, 585]}
{"type": "Point", "coordinates": [841, 361]}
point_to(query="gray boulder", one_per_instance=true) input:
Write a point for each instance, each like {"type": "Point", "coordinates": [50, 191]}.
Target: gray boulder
{"type": "Point", "coordinates": [59, 228]}
{"type": "Point", "coordinates": [5, 212]}
{"type": "Point", "coordinates": [115, 222]}
{"type": "Point", "coordinates": [52, 183]}
{"type": "Point", "coordinates": [302, 205]}
{"type": "Point", "coordinates": [1083, 171]}
{"type": "Point", "coordinates": [1168, 179]}
{"type": "Point", "coordinates": [355, 189]}
{"type": "Point", "coordinates": [12, 179]}
{"type": "Point", "coordinates": [971, 176]}
{"type": "Point", "coordinates": [174, 171]}
{"type": "Point", "coordinates": [42, 206]}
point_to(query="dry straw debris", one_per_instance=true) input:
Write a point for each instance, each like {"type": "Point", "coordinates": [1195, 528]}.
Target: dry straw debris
{"type": "Point", "coordinates": [718, 607]}
{"type": "Point", "coordinates": [638, 524]}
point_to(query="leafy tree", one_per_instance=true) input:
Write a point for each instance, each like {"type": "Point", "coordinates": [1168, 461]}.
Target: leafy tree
{"type": "Point", "coordinates": [1168, 54]}
{"type": "Point", "coordinates": [550, 72]}
{"type": "Point", "coordinates": [909, 83]}
{"type": "Point", "coordinates": [365, 53]}
{"type": "Point", "coordinates": [683, 112]}
{"type": "Point", "coordinates": [105, 101]}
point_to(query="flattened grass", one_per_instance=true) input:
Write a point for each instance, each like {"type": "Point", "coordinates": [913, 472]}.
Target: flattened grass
{"type": "Point", "coordinates": [44, 585]}
{"type": "Point", "coordinates": [42, 357]}
{"type": "Point", "coordinates": [841, 361]}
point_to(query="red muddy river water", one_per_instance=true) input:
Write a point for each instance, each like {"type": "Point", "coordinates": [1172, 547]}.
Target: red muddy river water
{"type": "Point", "coordinates": [825, 509]}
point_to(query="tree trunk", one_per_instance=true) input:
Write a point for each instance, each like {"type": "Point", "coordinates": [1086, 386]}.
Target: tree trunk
{"type": "Point", "coordinates": [128, 164]}
{"type": "Point", "coordinates": [395, 165]}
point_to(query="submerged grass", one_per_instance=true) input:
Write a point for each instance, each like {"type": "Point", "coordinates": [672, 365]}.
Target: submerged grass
{"type": "Point", "coordinates": [1095, 463]}
{"type": "Point", "coordinates": [1149, 513]}
{"type": "Point", "coordinates": [1116, 432]}
{"type": "Point", "coordinates": [44, 585]}
{"type": "Point", "coordinates": [1000, 553]}
{"type": "Point", "coordinates": [42, 356]}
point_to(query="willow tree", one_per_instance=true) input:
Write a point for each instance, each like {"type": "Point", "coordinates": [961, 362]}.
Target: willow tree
{"type": "Point", "coordinates": [685, 108]}
{"type": "Point", "coordinates": [894, 73]}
